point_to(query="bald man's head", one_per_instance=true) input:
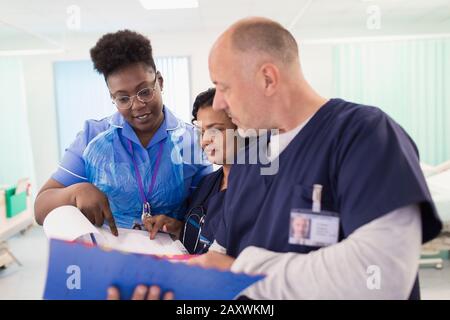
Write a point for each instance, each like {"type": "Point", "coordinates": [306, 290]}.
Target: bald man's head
{"type": "Point", "coordinates": [264, 36]}
{"type": "Point", "coordinates": [256, 70]}
{"type": "Point", "coordinates": [253, 65]}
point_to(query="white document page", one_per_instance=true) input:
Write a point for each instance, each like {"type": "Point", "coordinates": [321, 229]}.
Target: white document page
{"type": "Point", "coordinates": [68, 223]}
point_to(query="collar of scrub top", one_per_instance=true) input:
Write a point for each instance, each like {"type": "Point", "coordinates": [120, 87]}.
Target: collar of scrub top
{"type": "Point", "coordinates": [254, 146]}
{"type": "Point", "coordinates": [169, 123]}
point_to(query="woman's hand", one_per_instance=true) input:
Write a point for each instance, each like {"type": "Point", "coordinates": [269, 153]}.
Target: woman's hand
{"type": "Point", "coordinates": [162, 222]}
{"type": "Point", "coordinates": [93, 204]}
{"type": "Point", "coordinates": [141, 293]}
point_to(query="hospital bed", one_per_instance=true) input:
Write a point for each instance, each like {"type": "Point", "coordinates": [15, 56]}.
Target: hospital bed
{"type": "Point", "coordinates": [438, 180]}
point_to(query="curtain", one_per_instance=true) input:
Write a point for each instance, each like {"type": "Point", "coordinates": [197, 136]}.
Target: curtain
{"type": "Point", "coordinates": [409, 80]}
{"type": "Point", "coordinates": [16, 160]}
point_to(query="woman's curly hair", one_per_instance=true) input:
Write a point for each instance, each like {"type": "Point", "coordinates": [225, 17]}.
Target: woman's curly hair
{"type": "Point", "coordinates": [113, 51]}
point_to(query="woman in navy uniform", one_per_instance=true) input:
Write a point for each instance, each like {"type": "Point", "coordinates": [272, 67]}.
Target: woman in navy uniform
{"type": "Point", "coordinates": [206, 202]}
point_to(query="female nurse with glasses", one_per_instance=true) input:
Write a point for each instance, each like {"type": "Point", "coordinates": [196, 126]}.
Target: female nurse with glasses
{"type": "Point", "coordinates": [141, 161]}
{"type": "Point", "coordinates": [220, 141]}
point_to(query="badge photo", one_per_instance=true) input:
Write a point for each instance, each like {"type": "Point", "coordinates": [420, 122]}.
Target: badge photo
{"type": "Point", "coordinates": [311, 228]}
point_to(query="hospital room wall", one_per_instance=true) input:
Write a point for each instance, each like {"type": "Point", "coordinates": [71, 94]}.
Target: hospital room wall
{"type": "Point", "coordinates": [40, 90]}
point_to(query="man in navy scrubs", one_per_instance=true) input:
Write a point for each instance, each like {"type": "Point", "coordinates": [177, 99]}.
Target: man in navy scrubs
{"type": "Point", "coordinates": [372, 209]}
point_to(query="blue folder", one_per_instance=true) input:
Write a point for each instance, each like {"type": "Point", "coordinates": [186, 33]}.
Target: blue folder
{"type": "Point", "coordinates": [78, 271]}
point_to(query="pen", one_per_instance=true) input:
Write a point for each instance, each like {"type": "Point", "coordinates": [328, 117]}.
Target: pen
{"type": "Point", "coordinates": [317, 198]}
{"type": "Point", "coordinates": [94, 241]}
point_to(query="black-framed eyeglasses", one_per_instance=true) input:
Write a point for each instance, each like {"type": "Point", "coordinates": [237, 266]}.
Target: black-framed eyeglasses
{"type": "Point", "coordinates": [144, 95]}
{"type": "Point", "coordinates": [195, 220]}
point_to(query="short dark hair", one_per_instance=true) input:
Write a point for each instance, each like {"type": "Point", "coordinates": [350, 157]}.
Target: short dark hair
{"type": "Point", "coordinates": [203, 99]}
{"type": "Point", "coordinates": [113, 51]}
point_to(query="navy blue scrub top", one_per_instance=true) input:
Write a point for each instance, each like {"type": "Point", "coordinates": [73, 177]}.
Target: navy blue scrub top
{"type": "Point", "coordinates": [207, 199]}
{"type": "Point", "coordinates": [367, 164]}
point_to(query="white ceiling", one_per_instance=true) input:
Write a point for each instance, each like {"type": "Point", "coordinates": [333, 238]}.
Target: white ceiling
{"type": "Point", "coordinates": [320, 18]}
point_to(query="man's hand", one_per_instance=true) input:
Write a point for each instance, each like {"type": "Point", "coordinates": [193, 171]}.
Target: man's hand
{"type": "Point", "coordinates": [162, 222]}
{"type": "Point", "coordinates": [141, 293]}
{"type": "Point", "coordinates": [212, 259]}
{"type": "Point", "coordinates": [93, 204]}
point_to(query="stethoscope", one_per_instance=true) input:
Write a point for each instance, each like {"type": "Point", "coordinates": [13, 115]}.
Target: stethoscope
{"type": "Point", "coordinates": [201, 220]}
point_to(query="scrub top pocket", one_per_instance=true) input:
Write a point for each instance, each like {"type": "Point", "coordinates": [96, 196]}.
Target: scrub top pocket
{"type": "Point", "coordinates": [302, 201]}
{"type": "Point", "coordinates": [302, 198]}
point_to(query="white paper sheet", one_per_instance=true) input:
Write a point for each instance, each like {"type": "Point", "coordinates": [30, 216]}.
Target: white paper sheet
{"type": "Point", "coordinates": [68, 223]}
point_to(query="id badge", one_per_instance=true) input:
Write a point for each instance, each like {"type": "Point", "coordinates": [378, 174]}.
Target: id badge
{"type": "Point", "coordinates": [310, 228]}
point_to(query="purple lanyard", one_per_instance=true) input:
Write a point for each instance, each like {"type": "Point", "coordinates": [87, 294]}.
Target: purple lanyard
{"type": "Point", "coordinates": [146, 204]}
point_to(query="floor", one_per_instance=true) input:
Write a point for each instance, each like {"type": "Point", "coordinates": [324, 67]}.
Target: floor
{"type": "Point", "coordinates": [28, 281]}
